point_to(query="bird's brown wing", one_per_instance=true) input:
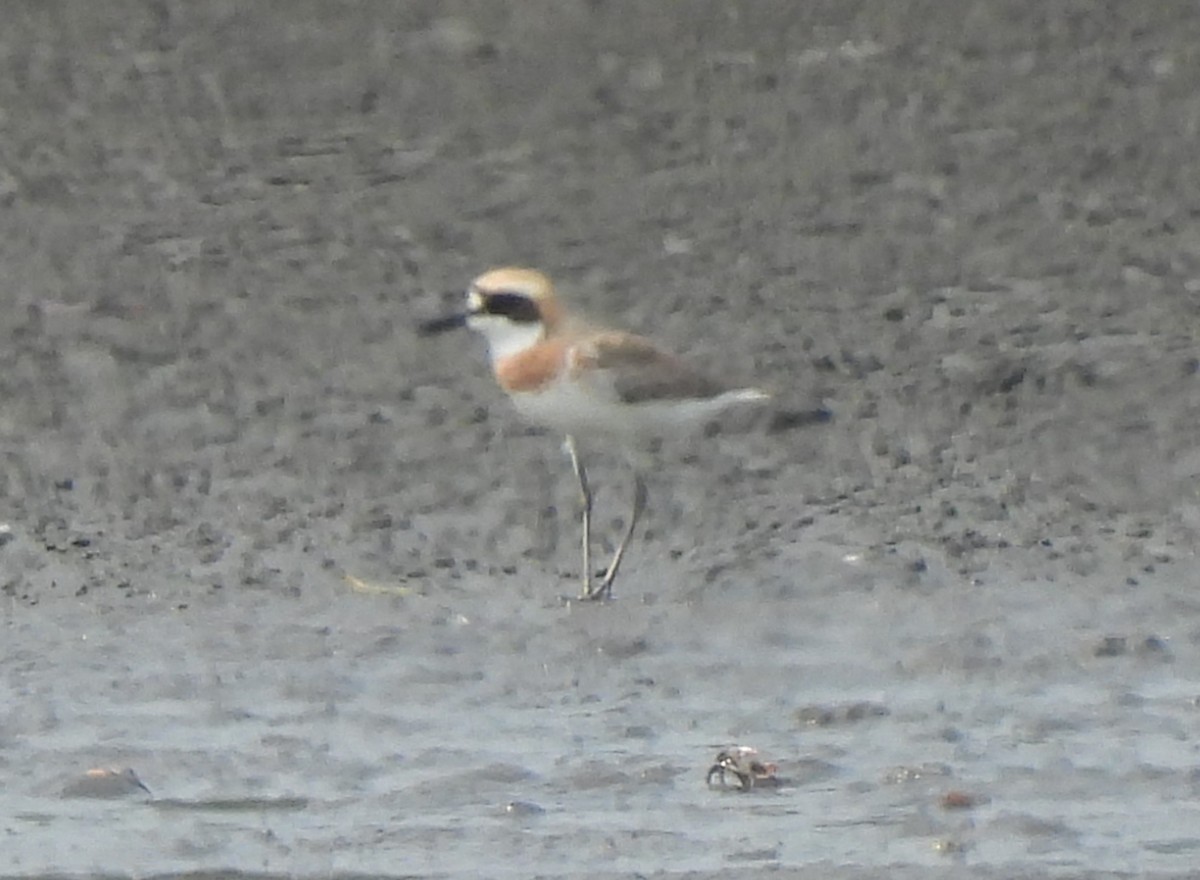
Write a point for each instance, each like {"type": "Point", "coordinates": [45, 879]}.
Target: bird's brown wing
{"type": "Point", "coordinates": [638, 371]}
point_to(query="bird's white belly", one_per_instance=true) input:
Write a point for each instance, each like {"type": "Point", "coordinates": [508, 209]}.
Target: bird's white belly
{"type": "Point", "coordinates": [566, 407]}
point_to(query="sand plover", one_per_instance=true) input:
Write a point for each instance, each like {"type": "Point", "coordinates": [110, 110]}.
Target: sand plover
{"type": "Point", "coordinates": [585, 381]}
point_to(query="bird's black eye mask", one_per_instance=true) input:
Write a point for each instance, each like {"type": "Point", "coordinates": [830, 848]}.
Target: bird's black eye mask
{"type": "Point", "coordinates": [515, 306]}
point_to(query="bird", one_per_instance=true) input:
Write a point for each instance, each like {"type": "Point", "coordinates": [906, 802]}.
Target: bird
{"type": "Point", "coordinates": [586, 381]}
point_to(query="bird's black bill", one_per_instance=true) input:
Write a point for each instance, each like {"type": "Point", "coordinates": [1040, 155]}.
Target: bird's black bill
{"type": "Point", "coordinates": [441, 325]}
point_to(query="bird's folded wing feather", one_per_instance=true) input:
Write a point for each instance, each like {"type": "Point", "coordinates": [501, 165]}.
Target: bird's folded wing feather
{"type": "Point", "coordinates": [637, 371]}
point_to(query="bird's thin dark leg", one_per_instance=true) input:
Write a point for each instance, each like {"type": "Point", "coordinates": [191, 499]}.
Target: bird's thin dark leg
{"type": "Point", "coordinates": [585, 500]}
{"type": "Point", "coordinates": [639, 504]}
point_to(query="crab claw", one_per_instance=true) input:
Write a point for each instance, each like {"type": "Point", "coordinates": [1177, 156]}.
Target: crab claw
{"type": "Point", "coordinates": [715, 771]}
{"type": "Point", "coordinates": [744, 763]}
{"type": "Point", "coordinates": [728, 761]}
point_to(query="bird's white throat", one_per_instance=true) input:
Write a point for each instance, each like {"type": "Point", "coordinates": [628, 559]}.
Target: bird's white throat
{"type": "Point", "coordinates": [505, 337]}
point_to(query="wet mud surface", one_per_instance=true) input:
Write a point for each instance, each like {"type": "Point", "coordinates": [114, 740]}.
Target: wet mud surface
{"type": "Point", "coordinates": [301, 570]}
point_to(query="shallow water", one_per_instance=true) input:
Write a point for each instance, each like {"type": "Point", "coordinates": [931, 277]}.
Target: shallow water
{"type": "Point", "coordinates": [485, 729]}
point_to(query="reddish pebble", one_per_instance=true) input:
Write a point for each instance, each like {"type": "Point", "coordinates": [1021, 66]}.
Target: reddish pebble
{"type": "Point", "coordinates": [958, 800]}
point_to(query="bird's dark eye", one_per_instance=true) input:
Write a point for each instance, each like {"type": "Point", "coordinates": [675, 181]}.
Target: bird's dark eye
{"type": "Point", "coordinates": [515, 306]}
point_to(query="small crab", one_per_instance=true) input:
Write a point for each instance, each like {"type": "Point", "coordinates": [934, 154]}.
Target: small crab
{"type": "Point", "coordinates": [744, 763]}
